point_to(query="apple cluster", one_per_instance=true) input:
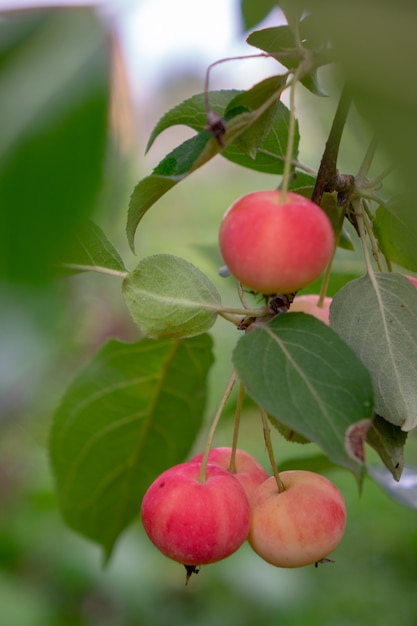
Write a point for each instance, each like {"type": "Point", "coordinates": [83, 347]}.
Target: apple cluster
{"type": "Point", "coordinates": [197, 522]}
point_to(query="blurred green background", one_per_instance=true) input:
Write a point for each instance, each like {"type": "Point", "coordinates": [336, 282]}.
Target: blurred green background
{"type": "Point", "coordinates": [57, 149]}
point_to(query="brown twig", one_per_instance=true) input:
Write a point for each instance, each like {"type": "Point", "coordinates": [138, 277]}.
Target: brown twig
{"type": "Point", "coordinates": [328, 177]}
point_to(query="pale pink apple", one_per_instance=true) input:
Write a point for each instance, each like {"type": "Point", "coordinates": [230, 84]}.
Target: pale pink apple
{"type": "Point", "coordinates": [300, 525]}
{"type": "Point", "coordinates": [308, 303]}
{"type": "Point", "coordinates": [195, 522]}
{"type": "Point", "coordinates": [248, 471]}
{"type": "Point", "coordinates": [274, 247]}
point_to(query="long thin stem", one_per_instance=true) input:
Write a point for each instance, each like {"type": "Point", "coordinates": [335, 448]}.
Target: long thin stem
{"type": "Point", "coordinates": [294, 162]}
{"type": "Point", "coordinates": [95, 268]}
{"type": "Point", "coordinates": [256, 312]}
{"type": "Point", "coordinates": [290, 145]}
{"type": "Point", "coordinates": [259, 55]}
{"type": "Point", "coordinates": [236, 427]}
{"type": "Point", "coordinates": [269, 449]}
{"type": "Point", "coordinates": [326, 278]}
{"type": "Point", "coordinates": [203, 468]}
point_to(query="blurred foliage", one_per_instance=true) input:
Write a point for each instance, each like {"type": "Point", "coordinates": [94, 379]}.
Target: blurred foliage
{"type": "Point", "coordinates": [53, 135]}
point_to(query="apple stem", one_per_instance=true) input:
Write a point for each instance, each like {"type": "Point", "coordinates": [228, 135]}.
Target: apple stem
{"type": "Point", "coordinates": [326, 278]}
{"type": "Point", "coordinates": [203, 473]}
{"type": "Point", "coordinates": [238, 413]}
{"type": "Point", "coordinates": [256, 312]}
{"type": "Point", "coordinates": [290, 142]}
{"type": "Point", "coordinates": [269, 449]}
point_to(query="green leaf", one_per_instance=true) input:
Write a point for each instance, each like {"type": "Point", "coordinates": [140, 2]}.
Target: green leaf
{"type": "Point", "coordinates": [92, 250]}
{"type": "Point", "coordinates": [288, 433]}
{"type": "Point", "coordinates": [169, 297]}
{"type": "Point", "coordinates": [268, 136]}
{"type": "Point", "coordinates": [132, 412]}
{"type": "Point", "coordinates": [293, 11]}
{"type": "Point", "coordinates": [184, 160]}
{"type": "Point", "coordinates": [263, 146]}
{"type": "Point", "coordinates": [303, 374]}
{"type": "Point", "coordinates": [302, 183]}
{"type": "Point", "coordinates": [192, 112]}
{"type": "Point", "coordinates": [377, 65]}
{"type": "Point", "coordinates": [389, 441]}
{"type": "Point", "coordinates": [279, 41]}
{"type": "Point", "coordinates": [378, 321]}
{"type": "Point", "coordinates": [255, 12]}
{"type": "Point", "coordinates": [270, 155]}
{"type": "Point", "coordinates": [396, 229]}
{"type": "Point", "coordinates": [53, 129]}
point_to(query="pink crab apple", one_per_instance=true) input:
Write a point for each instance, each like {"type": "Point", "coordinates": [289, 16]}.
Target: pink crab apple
{"type": "Point", "coordinates": [299, 526]}
{"type": "Point", "coordinates": [308, 303]}
{"type": "Point", "coordinates": [248, 472]}
{"type": "Point", "coordinates": [275, 247]}
{"type": "Point", "coordinates": [195, 522]}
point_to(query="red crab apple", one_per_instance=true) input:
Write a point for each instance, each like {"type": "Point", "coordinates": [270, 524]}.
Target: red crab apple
{"type": "Point", "coordinates": [275, 247]}
{"type": "Point", "coordinates": [195, 522]}
{"type": "Point", "coordinates": [307, 303]}
{"type": "Point", "coordinates": [300, 525]}
{"type": "Point", "coordinates": [248, 472]}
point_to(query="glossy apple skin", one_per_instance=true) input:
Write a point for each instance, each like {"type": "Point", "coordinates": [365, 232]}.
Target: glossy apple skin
{"type": "Point", "coordinates": [299, 526]}
{"type": "Point", "coordinates": [249, 472]}
{"type": "Point", "coordinates": [196, 523]}
{"type": "Point", "coordinates": [274, 247]}
{"type": "Point", "coordinates": [307, 303]}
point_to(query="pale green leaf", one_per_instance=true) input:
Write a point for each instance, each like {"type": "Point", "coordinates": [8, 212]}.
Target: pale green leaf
{"type": "Point", "coordinates": [377, 318]}
{"type": "Point", "coordinates": [169, 297]}
{"type": "Point", "coordinates": [132, 412]}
